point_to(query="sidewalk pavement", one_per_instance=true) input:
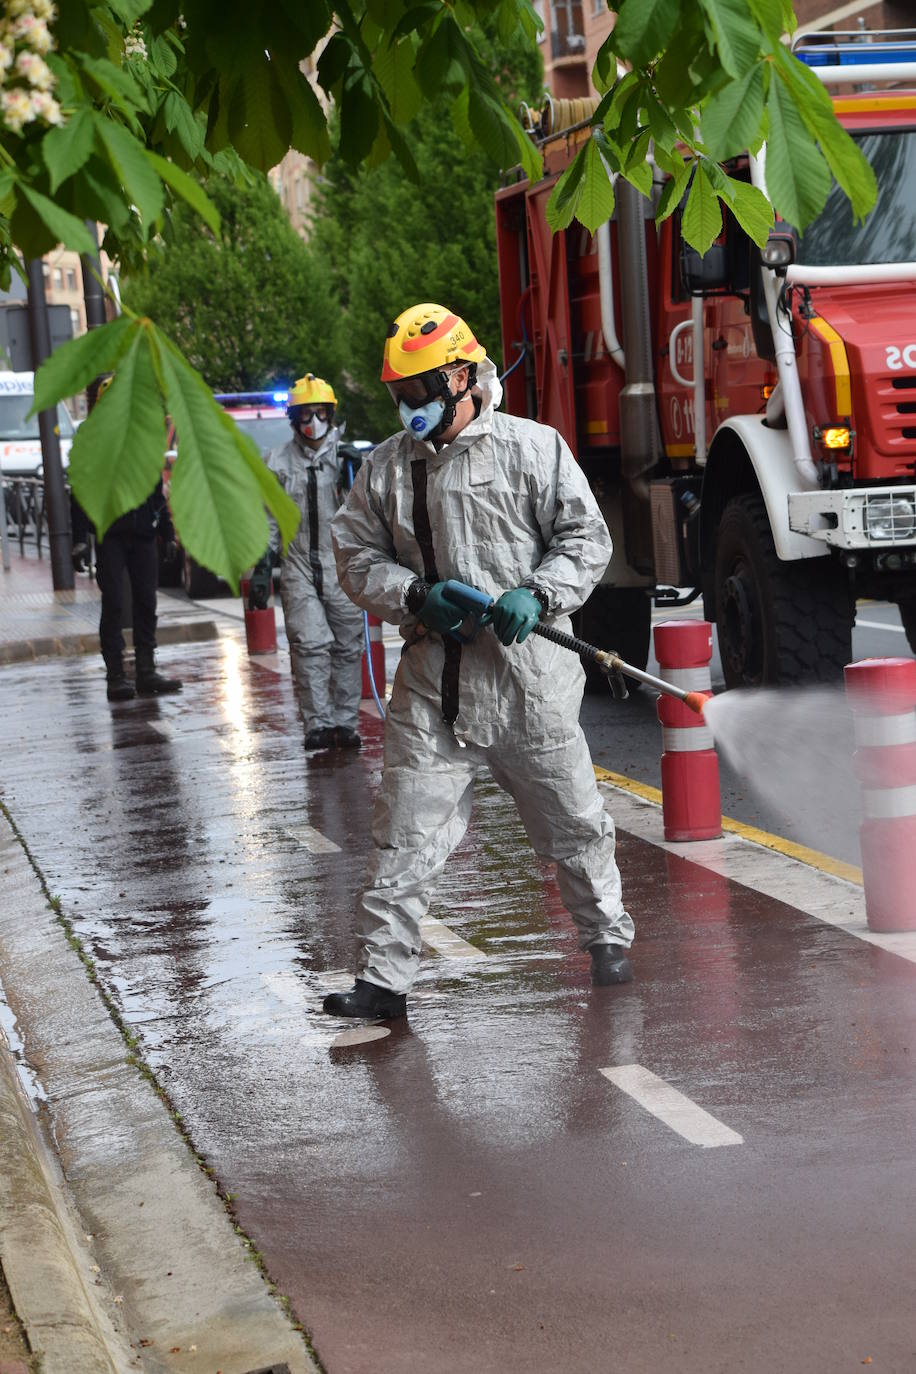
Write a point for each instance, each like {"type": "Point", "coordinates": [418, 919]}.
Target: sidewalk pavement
{"type": "Point", "coordinates": [38, 622]}
{"type": "Point", "coordinates": [200, 1305]}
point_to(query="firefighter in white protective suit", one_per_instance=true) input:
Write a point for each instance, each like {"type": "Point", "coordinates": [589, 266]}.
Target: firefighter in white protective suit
{"type": "Point", "coordinates": [499, 503]}
{"type": "Point", "coordinates": [324, 628]}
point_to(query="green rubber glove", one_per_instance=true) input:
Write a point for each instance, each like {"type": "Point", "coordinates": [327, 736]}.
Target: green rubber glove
{"type": "Point", "coordinates": [515, 615]}
{"type": "Point", "coordinates": [438, 613]}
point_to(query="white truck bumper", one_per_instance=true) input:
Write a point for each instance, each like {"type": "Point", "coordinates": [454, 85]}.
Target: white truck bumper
{"type": "Point", "coordinates": [857, 518]}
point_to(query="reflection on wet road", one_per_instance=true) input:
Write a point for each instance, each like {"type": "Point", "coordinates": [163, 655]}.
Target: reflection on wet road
{"type": "Point", "coordinates": [493, 1186]}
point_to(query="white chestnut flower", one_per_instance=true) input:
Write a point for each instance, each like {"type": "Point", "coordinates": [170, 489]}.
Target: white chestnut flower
{"type": "Point", "coordinates": [17, 108]}
{"type": "Point", "coordinates": [6, 57]}
{"type": "Point", "coordinates": [45, 107]}
{"type": "Point", "coordinates": [35, 70]}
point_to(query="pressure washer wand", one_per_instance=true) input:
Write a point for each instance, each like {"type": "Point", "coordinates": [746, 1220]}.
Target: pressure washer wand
{"type": "Point", "coordinates": [477, 604]}
{"type": "Point", "coordinates": [613, 664]}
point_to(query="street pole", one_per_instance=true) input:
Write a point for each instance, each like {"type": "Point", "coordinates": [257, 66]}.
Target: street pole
{"type": "Point", "coordinates": [57, 503]}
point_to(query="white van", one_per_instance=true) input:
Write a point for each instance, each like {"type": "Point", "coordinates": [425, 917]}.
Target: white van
{"type": "Point", "coordinates": [20, 446]}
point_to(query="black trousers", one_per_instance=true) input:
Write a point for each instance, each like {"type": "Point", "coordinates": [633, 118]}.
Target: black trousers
{"type": "Point", "coordinates": [118, 553]}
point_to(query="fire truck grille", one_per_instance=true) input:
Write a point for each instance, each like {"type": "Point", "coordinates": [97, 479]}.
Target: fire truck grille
{"type": "Point", "coordinates": [896, 416]}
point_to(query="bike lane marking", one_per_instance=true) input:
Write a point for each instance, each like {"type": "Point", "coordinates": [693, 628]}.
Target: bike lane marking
{"type": "Point", "coordinates": [672, 1107]}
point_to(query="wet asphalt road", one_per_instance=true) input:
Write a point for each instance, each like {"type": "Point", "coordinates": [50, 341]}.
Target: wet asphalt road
{"type": "Point", "coordinates": [471, 1194]}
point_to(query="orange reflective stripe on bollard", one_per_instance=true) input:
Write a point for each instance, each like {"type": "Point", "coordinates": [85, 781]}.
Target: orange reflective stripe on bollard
{"type": "Point", "coordinates": [882, 695]}
{"type": "Point", "coordinates": [691, 796]}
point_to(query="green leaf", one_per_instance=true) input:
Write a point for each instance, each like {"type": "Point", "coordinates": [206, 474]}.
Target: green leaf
{"type": "Point", "coordinates": [664, 134]}
{"type": "Point", "coordinates": [359, 114]}
{"type": "Point", "coordinates": [737, 38]}
{"type": "Point", "coordinates": [393, 67]}
{"type": "Point", "coordinates": [731, 119]}
{"type": "Point", "coordinates": [752, 210]}
{"type": "Point", "coordinates": [611, 107]}
{"type": "Point", "coordinates": [561, 206]}
{"type": "Point", "coordinates": [74, 365]}
{"type": "Point", "coordinates": [116, 83]}
{"type": "Point", "coordinates": [189, 190]}
{"type": "Point", "coordinates": [334, 61]}
{"type": "Point", "coordinates": [797, 176]}
{"type": "Point", "coordinates": [310, 126]}
{"type": "Point", "coordinates": [219, 485]}
{"type": "Point", "coordinates": [118, 453]}
{"type": "Point", "coordinates": [644, 28]}
{"type": "Point", "coordinates": [260, 125]}
{"type": "Point", "coordinates": [595, 203]}
{"type": "Point", "coordinates": [66, 148]}
{"type": "Point", "coordinates": [443, 62]}
{"type": "Point", "coordinates": [702, 221]}
{"type": "Point", "coordinates": [775, 17]}
{"type": "Point", "coordinates": [129, 11]}
{"type": "Point", "coordinates": [67, 229]}
{"type": "Point", "coordinates": [672, 191]}
{"type": "Point", "coordinates": [845, 158]}
{"type": "Point", "coordinates": [179, 119]}
{"type": "Point", "coordinates": [128, 158]}
{"type": "Point", "coordinates": [492, 129]}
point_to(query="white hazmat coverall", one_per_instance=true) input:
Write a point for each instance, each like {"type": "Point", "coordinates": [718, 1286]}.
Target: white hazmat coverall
{"type": "Point", "coordinates": [503, 504]}
{"type": "Point", "coordinates": [324, 628]}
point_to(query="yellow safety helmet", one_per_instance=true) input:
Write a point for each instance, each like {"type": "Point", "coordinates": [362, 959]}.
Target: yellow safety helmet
{"type": "Point", "coordinates": [311, 391]}
{"type": "Point", "coordinates": [426, 337]}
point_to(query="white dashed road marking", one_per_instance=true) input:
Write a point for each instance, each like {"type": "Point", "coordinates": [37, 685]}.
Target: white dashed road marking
{"type": "Point", "coordinates": [438, 937]}
{"type": "Point", "coordinates": [313, 840]}
{"type": "Point", "coordinates": [671, 1106]}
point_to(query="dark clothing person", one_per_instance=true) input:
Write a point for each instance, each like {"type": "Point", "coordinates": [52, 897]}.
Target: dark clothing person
{"type": "Point", "coordinates": [130, 546]}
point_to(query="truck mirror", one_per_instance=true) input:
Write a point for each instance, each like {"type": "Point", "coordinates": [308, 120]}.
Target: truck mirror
{"type": "Point", "coordinates": [706, 274]}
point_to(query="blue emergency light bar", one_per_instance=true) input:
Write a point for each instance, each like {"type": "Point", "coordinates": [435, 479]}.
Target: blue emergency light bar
{"type": "Point", "coordinates": [856, 54]}
{"type": "Point", "coordinates": [251, 398]}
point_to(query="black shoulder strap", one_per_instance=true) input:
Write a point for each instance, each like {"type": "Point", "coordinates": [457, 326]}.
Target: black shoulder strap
{"type": "Point", "coordinates": [424, 536]}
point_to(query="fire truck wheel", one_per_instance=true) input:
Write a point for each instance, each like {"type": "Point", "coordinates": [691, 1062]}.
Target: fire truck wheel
{"type": "Point", "coordinates": [907, 610]}
{"type": "Point", "coordinates": [778, 623]}
{"type": "Point", "coordinates": [200, 583]}
{"type": "Point", "coordinates": [618, 618]}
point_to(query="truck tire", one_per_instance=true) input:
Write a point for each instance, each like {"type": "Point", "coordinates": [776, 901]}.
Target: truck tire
{"type": "Point", "coordinates": [200, 583]}
{"type": "Point", "coordinates": [618, 618]}
{"type": "Point", "coordinates": [907, 610]}
{"type": "Point", "coordinates": [778, 623]}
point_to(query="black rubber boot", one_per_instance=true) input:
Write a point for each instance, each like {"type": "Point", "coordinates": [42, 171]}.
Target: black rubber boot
{"type": "Point", "coordinates": [119, 686]}
{"type": "Point", "coordinates": [322, 737]}
{"type": "Point", "coordinates": [346, 738]}
{"type": "Point", "coordinates": [610, 965]}
{"type": "Point", "coordinates": [367, 1000]}
{"type": "Point", "coordinates": [149, 682]}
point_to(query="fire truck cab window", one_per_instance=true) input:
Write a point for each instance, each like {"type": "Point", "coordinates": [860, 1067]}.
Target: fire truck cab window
{"type": "Point", "coordinates": [889, 231]}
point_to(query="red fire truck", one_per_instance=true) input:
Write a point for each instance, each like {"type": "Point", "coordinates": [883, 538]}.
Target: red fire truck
{"type": "Point", "coordinates": [747, 419]}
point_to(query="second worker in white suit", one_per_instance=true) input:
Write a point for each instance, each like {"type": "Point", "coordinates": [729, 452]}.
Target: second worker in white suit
{"type": "Point", "coordinates": [324, 628]}
{"type": "Point", "coordinates": [498, 502]}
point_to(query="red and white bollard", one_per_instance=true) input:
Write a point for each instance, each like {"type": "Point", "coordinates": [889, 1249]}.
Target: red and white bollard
{"type": "Point", "coordinates": [691, 797]}
{"type": "Point", "coordinates": [377, 650]}
{"type": "Point", "coordinates": [260, 626]}
{"type": "Point", "coordinates": [882, 695]}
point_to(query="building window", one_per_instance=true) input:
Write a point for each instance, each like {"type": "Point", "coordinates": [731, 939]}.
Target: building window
{"type": "Point", "coordinates": [71, 279]}
{"type": "Point", "coordinates": [539, 11]}
{"type": "Point", "coordinates": [599, 7]}
{"type": "Point", "coordinates": [75, 322]}
{"type": "Point", "coordinates": [568, 36]}
{"type": "Point", "coordinates": [57, 279]}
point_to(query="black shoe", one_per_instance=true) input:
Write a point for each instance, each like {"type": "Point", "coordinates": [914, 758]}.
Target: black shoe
{"type": "Point", "coordinates": [155, 685]}
{"type": "Point", "coordinates": [322, 737]}
{"type": "Point", "coordinates": [346, 738]}
{"type": "Point", "coordinates": [119, 687]}
{"type": "Point", "coordinates": [150, 683]}
{"type": "Point", "coordinates": [610, 965]}
{"type": "Point", "coordinates": [367, 1000]}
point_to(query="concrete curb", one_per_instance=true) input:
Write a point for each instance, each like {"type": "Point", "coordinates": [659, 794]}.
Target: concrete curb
{"type": "Point", "coordinates": [100, 1285]}
{"type": "Point", "coordinates": [66, 646]}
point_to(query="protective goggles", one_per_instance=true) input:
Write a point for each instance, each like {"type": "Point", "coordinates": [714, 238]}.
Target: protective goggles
{"type": "Point", "coordinates": [416, 392]}
{"type": "Point", "coordinates": [303, 415]}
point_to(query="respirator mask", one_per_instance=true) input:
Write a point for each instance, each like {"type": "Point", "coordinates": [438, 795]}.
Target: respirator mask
{"type": "Point", "coordinates": [425, 403]}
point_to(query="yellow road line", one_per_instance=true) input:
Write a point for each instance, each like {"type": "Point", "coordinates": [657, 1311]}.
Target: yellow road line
{"type": "Point", "coordinates": [836, 867]}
